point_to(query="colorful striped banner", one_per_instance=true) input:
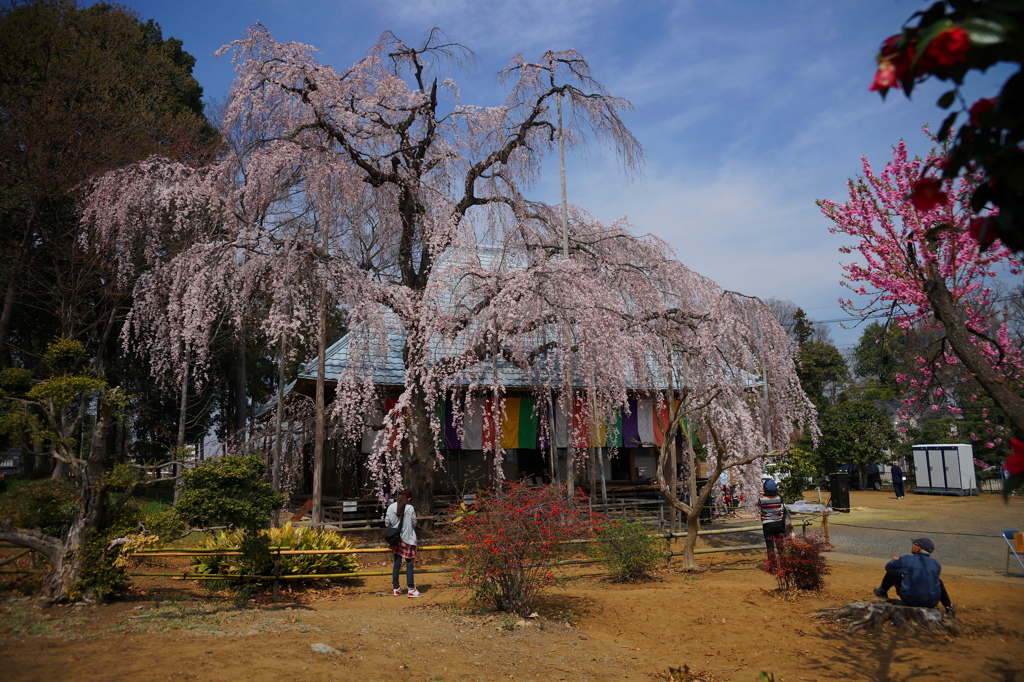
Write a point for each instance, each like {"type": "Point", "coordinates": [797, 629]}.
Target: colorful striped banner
{"type": "Point", "coordinates": [641, 426]}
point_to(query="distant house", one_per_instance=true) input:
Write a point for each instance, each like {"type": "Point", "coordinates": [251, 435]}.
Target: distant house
{"type": "Point", "coordinates": [11, 463]}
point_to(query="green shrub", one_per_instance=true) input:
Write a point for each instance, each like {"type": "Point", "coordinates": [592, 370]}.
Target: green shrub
{"type": "Point", "coordinates": [229, 491]}
{"type": "Point", "coordinates": [104, 570]}
{"type": "Point", "coordinates": [163, 523]}
{"type": "Point", "coordinates": [258, 558]}
{"type": "Point", "coordinates": [47, 505]}
{"type": "Point", "coordinates": [793, 473]}
{"type": "Point", "coordinates": [101, 574]}
{"type": "Point", "coordinates": [627, 551]}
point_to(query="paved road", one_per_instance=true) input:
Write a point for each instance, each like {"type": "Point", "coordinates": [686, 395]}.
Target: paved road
{"type": "Point", "coordinates": [966, 530]}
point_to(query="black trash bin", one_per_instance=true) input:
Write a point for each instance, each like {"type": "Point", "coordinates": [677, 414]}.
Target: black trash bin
{"type": "Point", "coordinates": [839, 489]}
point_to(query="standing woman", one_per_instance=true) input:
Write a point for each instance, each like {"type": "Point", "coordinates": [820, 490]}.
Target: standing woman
{"type": "Point", "coordinates": [401, 514]}
{"type": "Point", "coordinates": [773, 520]}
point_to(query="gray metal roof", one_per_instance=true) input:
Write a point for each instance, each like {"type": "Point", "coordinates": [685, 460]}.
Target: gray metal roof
{"type": "Point", "coordinates": [375, 349]}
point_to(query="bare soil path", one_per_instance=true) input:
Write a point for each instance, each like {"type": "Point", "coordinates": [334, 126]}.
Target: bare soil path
{"type": "Point", "coordinates": [727, 623]}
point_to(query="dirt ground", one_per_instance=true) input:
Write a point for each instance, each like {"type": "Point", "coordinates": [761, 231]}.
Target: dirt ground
{"type": "Point", "coordinates": [728, 622]}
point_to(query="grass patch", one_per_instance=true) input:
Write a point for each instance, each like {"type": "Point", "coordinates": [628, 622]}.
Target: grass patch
{"type": "Point", "coordinates": [21, 620]}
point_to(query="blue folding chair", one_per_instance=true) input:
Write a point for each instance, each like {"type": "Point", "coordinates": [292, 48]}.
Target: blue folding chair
{"type": "Point", "coordinates": [1011, 549]}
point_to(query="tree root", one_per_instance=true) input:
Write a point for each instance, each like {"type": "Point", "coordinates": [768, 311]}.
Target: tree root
{"type": "Point", "coordinates": [874, 616]}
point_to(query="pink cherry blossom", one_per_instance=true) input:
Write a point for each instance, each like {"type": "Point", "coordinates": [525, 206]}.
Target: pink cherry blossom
{"type": "Point", "coordinates": [375, 185]}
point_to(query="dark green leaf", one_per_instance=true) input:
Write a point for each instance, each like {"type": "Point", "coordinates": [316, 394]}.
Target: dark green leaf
{"type": "Point", "coordinates": [980, 198]}
{"type": "Point", "coordinates": [946, 126]}
{"type": "Point", "coordinates": [984, 31]}
{"type": "Point", "coordinates": [1015, 178]}
{"type": "Point", "coordinates": [933, 14]}
{"type": "Point", "coordinates": [947, 99]}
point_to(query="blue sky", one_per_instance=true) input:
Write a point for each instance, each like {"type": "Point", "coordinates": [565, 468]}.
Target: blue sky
{"type": "Point", "coordinates": [748, 111]}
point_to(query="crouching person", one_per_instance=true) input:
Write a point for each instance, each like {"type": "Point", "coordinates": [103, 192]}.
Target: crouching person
{"type": "Point", "coordinates": [916, 578]}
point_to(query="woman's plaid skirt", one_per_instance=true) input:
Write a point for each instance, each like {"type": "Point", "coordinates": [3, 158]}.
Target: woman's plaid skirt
{"type": "Point", "coordinates": [405, 551]}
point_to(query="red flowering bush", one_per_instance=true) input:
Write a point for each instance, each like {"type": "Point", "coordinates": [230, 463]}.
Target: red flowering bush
{"type": "Point", "coordinates": [885, 78]}
{"type": "Point", "coordinates": [514, 536]}
{"type": "Point", "coordinates": [798, 563]}
{"type": "Point", "coordinates": [896, 58]}
{"type": "Point", "coordinates": [982, 233]}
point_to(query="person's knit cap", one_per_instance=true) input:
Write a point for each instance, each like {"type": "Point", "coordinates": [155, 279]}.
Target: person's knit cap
{"type": "Point", "coordinates": [926, 545]}
{"type": "Point", "coordinates": [770, 486]}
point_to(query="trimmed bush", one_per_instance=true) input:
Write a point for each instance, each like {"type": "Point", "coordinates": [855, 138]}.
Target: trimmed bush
{"type": "Point", "coordinates": [231, 491]}
{"type": "Point", "coordinates": [627, 551]}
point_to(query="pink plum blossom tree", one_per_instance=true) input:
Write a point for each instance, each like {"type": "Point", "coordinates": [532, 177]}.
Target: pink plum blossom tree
{"type": "Point", "coordinates": [920, 264]}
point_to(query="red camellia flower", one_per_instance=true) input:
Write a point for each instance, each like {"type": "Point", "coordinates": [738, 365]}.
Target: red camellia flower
{"type": "Point", "coordinates": [885, 78]}
{"type": "Point", "coordinates": [980, 107]}
{"type": "Point", "coordinates": [896, 60]}
{"type": "Point", "coordinates": [926, 194]}
{"type": "Point", "coordinates": [983, 236]}
{"type": "Point", "coordinates": [1015, 462]}
{"type": "Point", "coordinates": [946, 49]}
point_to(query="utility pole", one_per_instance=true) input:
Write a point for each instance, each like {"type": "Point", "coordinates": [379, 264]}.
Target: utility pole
{"type": "Point", "coordinates": [570, 450]}
{"type": "Point", "coordinates": [318, 444]}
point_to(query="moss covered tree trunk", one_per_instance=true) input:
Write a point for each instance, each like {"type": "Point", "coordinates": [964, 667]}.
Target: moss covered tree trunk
{"type": "Point", "coordinates": [66, 557]}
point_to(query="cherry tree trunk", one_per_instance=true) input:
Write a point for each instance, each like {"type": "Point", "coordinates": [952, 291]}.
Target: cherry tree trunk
{"type": "Point", "coordinates": [690, 542]}
{"type": "Point", "coordinates": [241, 391]}
{"type": "Point", "coordinates": [422, 455]}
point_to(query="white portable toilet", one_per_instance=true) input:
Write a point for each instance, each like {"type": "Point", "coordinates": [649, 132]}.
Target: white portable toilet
{"type": "Point", "coordinates": [946, 469]}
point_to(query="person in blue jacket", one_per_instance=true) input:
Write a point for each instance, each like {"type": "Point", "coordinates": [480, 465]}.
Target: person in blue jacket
{"type": "Point", "coordinates": [897, 480]}
{"type": "Point", "coordinates": [916, 578]}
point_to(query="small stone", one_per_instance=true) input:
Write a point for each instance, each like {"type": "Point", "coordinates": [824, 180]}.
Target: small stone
{"type": "Point", "coordinates": [326, 649]}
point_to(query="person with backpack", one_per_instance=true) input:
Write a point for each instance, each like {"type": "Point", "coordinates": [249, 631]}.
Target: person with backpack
{"type": "Point", "coordinates": [773, 516]}
{"type": "Point", "coordinates": [402, 515]}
